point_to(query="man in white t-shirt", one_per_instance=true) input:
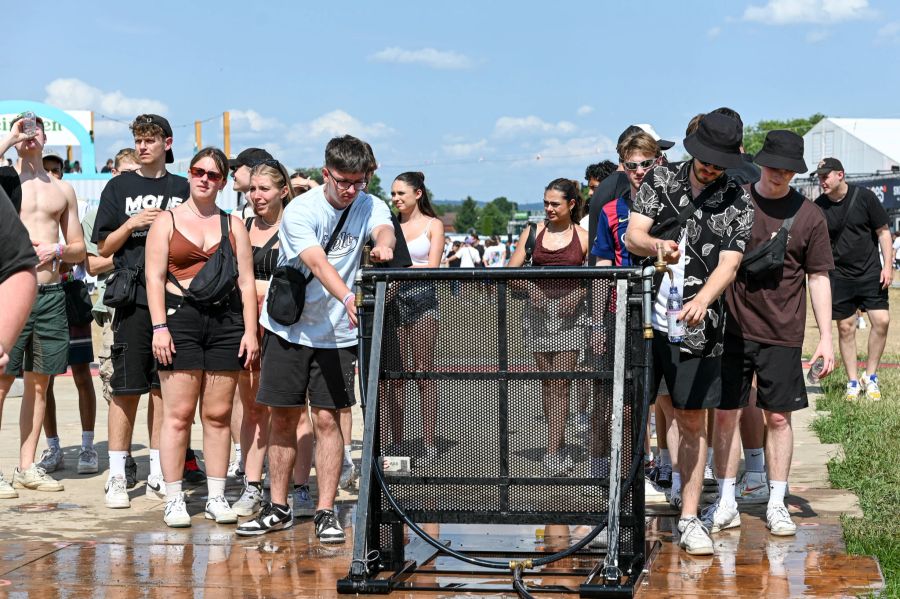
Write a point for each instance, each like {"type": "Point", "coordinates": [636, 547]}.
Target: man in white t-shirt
{"type": "Point", "coordinates": [316, 356]}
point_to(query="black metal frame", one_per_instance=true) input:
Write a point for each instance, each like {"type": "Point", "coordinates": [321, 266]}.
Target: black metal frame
{"type": "Point", "coordinates": [372, 561]}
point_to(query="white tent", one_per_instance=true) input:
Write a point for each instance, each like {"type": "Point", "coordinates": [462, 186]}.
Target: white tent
{"type": "Point", "coordinates": [862, 145]}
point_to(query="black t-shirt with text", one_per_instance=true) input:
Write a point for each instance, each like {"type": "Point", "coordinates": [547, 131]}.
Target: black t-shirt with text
{"type": "Point", "coordinates": [856, 253]}
{"type": "Point", "coordinates": [12, 186]}
{"type": "Point", "coordinates": [16, 251]}
{"type": "Point", "coordinates": [123, 197]}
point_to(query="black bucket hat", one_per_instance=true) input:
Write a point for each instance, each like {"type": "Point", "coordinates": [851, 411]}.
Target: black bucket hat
{"type": "Point", "coordinates": [717, 140]}
{"type": "Point", "coordinates": [782, 149]}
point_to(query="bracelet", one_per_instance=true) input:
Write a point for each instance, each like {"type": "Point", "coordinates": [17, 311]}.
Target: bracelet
{"type": "Point", "coordinates": [59, 251]}
{"type": "Point", "coordinates": [349, 296]}
{"type": "Point", "coordinates": [160, 327]}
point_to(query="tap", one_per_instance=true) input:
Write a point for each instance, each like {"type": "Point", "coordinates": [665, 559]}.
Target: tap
{"type": "Point", "coordinates": [660, 263]}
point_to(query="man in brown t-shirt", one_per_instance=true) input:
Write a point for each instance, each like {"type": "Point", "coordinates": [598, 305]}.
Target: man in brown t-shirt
{"type": "Point", "coordinates": [766, 316]}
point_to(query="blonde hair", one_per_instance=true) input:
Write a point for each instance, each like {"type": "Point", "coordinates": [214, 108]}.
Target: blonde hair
{"type": "Point", "coordinates": [638, 142]}
{"type": "Point", "coordinates": [279, 175]}
{"type": "Point", "coordinates": [129, 154]}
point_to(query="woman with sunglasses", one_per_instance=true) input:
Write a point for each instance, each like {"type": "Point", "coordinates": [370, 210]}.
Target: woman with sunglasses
{"type": "Point", "coordinates": [199, 348]}
{"type": "Point", "coordinates": [554, 308]}
{"type": "Point", "coordinates": [417, 306]}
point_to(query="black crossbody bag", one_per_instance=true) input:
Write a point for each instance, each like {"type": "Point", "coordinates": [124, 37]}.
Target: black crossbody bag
{"type": "Point", "coordinates": [123, 281]}
{"type": "Point", "coordinates": [767, 260]}
{"type": "Point", "coordinates": [287, 289]}
{"type": "Point", "coordinates": [217, 279]}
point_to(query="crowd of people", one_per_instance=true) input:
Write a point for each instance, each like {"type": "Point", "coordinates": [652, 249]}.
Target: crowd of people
{"type": "Point", "coordinates": [251, 316]}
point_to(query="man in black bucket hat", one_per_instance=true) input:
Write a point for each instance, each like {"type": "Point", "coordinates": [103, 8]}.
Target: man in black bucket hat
{"type": "Point", "coordinates": [701, 220]}
{"type": "Point", "coordinates": [766, 315]}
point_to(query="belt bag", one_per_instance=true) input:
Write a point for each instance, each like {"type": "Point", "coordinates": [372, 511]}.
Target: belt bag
{"type": "Point", "coordinates": [216, 281]}
{"type": "Point", "coordinates": [78, 303]}
{"type": "Point", "coordinates": [121, 286]}
{"type": "Point", "coordinates": [767, 260]}
{"type": "Point", "coordinates": [287, 289]}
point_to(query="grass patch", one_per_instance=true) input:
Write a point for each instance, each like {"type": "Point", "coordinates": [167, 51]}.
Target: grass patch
{"type": "Point", "coordinates": [870, 435]}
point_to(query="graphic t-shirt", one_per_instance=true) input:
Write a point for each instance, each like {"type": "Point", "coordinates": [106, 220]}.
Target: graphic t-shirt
{"type": "Point", "coordinates": [856, 254]}
{"type": "Point", "coordinates": [16, 251]}
{"type": "Point", "coordinates": [308, 223]}
{"type": "Point", "coordinates": [773, 311]}
{"type": "Point", "coordinates": [123, 197]}
{"type": "Point", "coordinates": [493, 256]}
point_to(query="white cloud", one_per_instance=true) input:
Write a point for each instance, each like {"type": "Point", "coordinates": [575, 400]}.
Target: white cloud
{"type": "Point", "coordinates": [252, 121]}
{"type": "Point", "coordinates": [713, 32]}
{"type": "Point", "coordinates": [585, 110]}
{"type": "Point", "coordinates": [816, 36]}
{"type": "Point", "coordinates": [509, 126]}
{"type": "Point", "coordinates": [334, 123]}
{"type": "Point", "coordinates": [428, 57]}
{"type": "Point", "coordinates": [462, 150]}
{"type": "Point", "coordinates": [74, 94]}
{"type": "Point", "coordinates": [785, 12]}
{"type": "Point", "coordinates": [576, 151]}
{"type": "Point", "coordinates": [888, 33]}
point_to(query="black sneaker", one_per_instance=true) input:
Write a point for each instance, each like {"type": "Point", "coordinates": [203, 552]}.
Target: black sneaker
{"type": "Point", "coordinates": [270, 518]}
{"type": "Point", "coordinates": [192, 472]}
{"type": "Point", "coordinates": [328, 529]}
{"type": "Point", "coordinates": [130, 472]}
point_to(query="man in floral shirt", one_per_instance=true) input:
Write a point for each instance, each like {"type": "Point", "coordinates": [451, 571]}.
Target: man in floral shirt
{"type": "Point", "coordinates": [701, 219]}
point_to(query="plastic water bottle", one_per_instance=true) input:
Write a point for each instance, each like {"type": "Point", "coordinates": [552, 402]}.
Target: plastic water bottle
{"type": "Point", "coordinates": [29, 123]}
{"type": "Point", "coordinates": [673, 309]}
{"type": "Point", "coordinates": [815, 370]}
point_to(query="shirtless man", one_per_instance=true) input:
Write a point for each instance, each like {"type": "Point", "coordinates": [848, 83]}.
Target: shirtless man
{"type": "Point", "coordinates": [48, 206]}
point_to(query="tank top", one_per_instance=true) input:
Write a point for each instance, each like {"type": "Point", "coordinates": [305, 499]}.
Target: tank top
{"type": "Point", "coordinates": [263, 269]}
{"type": "Point", "coordinates": [420, 247]}
{"type": "Point", "coordinates": [185, 257]}
{"type": "Point", "coordinates": [570, 255]}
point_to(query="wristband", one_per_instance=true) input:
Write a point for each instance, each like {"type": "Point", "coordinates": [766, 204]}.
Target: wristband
{"type": "Point", "coordinates": [349, 296]}
{"type": "Point", "coordinates": [160, 327]}
{"type": "Point", "coordinates": [59, 251]}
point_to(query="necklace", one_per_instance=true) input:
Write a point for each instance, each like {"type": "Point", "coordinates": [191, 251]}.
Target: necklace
{"type": "Point", "coordinates": [559, 232]}
{"type": "Point", "coordinates": [194, 210]}
{"type": "Point", "coordinates": [268, 224]}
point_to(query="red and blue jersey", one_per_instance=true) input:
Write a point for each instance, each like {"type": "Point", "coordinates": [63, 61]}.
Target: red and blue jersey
{"type": "Point", "coordinates": [610, 241]}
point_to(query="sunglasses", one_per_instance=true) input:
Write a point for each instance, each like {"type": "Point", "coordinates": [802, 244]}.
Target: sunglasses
{"type": "Point", "coordinates": [712, 166]}
{"type": "Point", "coordinates": [644, 164]}
{"type": "Point", "coordinates": [213, 176]}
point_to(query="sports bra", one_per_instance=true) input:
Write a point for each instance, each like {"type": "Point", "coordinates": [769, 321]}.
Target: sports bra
{"type": "Point", "coordinates": [420, 247]}
{"type": "Point", "coordinates": [265, 266]}
{"type": "Point", "coordinates": [185, 257]}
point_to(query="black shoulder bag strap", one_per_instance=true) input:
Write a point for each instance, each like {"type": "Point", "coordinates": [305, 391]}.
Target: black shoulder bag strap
{"type": "Point", "coordinates": [529, 244]}
{"type": "Point", "coordinates": [333, 238]}
{"type": "Point", "coordinates": [847, 214]}
{"type": "Point", "coordinates": [224, 223]}
{"type": "Point", "coordinates": [259, 253]}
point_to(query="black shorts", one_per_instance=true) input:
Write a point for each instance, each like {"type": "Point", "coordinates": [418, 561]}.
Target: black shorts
{"type": "Point", "coordinates": [134, 369]}
{"type": "Point", "coordinates": [779, 376]}
{"type": "Point", "coordinates": [205, 338]}
{"type": "Point", "coordinates": [848, 295]}
{"type": "Point", "coordinates": [694, 383]}
{"type": "Point", "coordinates": [290, 372]}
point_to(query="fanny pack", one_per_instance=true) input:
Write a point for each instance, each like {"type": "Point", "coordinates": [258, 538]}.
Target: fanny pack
{"type": "Point", "coordinates": [287, 289]}
{"type": "Point", "coordinates": [767, 260]}
{"type": "Point", "coordinates": [216, 280]}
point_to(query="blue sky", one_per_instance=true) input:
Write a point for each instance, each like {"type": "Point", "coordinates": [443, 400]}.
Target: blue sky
{"type": "Point", "coordinates": [469, 93]}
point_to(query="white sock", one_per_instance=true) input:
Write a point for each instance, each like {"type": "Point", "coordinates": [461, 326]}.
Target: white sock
{"type": "Point", "coordinates": [117, 463]}
{"type": "Point", "coordinates": [709, 456]}
{"type": "Point", "coordinates": [237, 453]}
{"type": "Point", "coordinates": [777, 489]}
{"type": "Point", "coordinates": [676, 482]}
{"type": "Point", "coordinates": [215, 486]}
{"type": "Point", "coordinates": [726, 491]}
{"type": "Point", "coordinates": [155, 468]}
{"type": "Point", "coordinates": [347, 458]}
{"type": "Point", "coordinates": [87, 439]}
{"type": "Point", "coordinates": [754, 459]}
{"type": "Point", "coordinates": [53, 443]}
{"type": "Point", "coordinates": [664, 457]}
{"type": "Point", "coordinates": [173, 489]}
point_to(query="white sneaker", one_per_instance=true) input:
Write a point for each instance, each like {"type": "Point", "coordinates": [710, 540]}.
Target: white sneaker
{"type": "Point", "coordinates": [234, 469]}
{"type": "Point", "coordinates": [709, 478]}
{"type": "Point", "coordinates": [36, 478]}
{"type": "Point", "coordinates": [176, 514]}
{"type": "Point", "coordinates": [6, 489]}
{"type": "Point", "coordinates": [718, 517]}
{"type": "Point", "coordinates": [87, 461]}
{"type": "Point", "coordinates": [779, 522]}
{"type": "Point", "coordinates": [871, 385]}
{"type": "Point", "coordinates": [694, 537]}
{"type": "Point", "coordinates": [652, 493]}
{"type": "Point", "coordinates": [249, 502]}
{"type": "Point", "coordinates": [853, 390]}
{"type": "Point", "coordinates": [303, 505]}
{"type": "Point", "coordinates": [752, 489]}
{"type": "Point", "coordinates": [116, 493]}
{"type": "Point", "coordinates": [156, 487]}
{"type": "Point", "coordinates": [217, 509]}
{"type": "Point", "coordinates": [348, 474]}
{"type": "Point", "coordinates": [51, 460]}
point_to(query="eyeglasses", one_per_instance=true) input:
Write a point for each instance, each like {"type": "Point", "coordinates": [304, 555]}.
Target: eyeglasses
{"type": "Point", "coordinates": [213, 176]}
{"type": "Point", "coordinates": [344, 185]}
{"type": "Point", "coordinates": [644, 164]}
{"type": "Point", "coordinates": [712, 166]}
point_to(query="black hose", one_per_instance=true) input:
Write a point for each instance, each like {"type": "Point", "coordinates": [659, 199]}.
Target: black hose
{"type": "Point", "coordinates": [519, 584]}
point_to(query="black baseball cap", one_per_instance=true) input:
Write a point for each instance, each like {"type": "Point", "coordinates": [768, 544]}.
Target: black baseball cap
{"type": "Point", "coordinates": [249, 157]}
{"type": "Point", "coordinates": [162, 123]}
{"type": "Point", "coordinates": [827, 165]}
